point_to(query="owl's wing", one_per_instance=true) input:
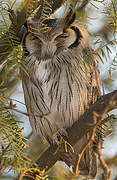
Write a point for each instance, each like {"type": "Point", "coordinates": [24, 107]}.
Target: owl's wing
{"type": "Point", "coordinates": [95, 83]}
{"type": "Point", "coordinates": [89, 159]}
{"type": "Point", "coordinates": [88, 163]}
{"type": "Point", "coordinates": [94, 91]}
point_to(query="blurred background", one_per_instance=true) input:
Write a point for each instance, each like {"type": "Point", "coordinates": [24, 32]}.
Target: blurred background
{"type": "Point", "coordinates": [100, 17]}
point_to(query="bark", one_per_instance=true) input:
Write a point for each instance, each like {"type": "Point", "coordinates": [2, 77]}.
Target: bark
{"type": "Point", "coordinates": [84, 124]}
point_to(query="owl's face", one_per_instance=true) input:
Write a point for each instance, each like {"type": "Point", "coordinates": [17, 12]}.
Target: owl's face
{"type": "Point", "coordinates": [65, 33]}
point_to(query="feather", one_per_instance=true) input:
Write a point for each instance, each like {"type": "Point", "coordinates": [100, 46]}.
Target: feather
{"type": "Point", "coordinates": [62, 83]}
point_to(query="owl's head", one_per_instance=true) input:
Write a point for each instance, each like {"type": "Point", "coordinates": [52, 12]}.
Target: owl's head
{"type": "Point", "coordinates": [64, 33]}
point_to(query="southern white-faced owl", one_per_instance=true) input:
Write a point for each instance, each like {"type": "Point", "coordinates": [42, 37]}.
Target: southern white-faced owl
{"type": "Point", "coordinates": [62, 79]}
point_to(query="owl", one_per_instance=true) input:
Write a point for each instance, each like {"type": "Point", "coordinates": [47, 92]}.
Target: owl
{"type": "Point", "coordinates": [61, 82]}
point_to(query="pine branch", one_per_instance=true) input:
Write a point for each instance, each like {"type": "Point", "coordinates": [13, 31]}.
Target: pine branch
{"type": "Point", "coordinates": [107, 172]}
{"type": "Point", "coordinates": [6, 46]}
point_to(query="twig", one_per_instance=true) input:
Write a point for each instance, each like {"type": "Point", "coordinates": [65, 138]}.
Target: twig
{"type": "Point", "coordinates": [24, 113]}
{"type": "Point", "coordinates": [107, 172]}
{"type": "Point", "coordinates": [83, 5]}
{"type": "Point", "coordinates": [91, 139]}
{"type": "Point", "coordinates": [5, 45]}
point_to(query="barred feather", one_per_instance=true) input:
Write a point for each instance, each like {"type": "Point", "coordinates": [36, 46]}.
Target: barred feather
{"type": "Point", "coordinates": [63, 81]}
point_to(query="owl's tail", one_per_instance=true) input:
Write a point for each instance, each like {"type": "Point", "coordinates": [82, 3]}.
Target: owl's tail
{"type": "Point", "coordinates": [88, 161]}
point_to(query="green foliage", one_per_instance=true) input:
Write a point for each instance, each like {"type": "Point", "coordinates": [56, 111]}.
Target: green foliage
{"type": "Point", "coordinates": [30, 7]}
{"type": "Point", "coordinates": [111, 13]}
{"type": "Point", "coordinates": [9, 69]}
{"type": "Point", "coordinates": [12, 143]}
{"type": "Point", "coordinates": [107, 40]}
{"type": "Point", "coordinates": [9, 38]}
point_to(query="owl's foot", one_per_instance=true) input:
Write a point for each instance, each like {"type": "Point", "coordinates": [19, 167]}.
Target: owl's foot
{"type": "Point", "coordinates": [58, 135]}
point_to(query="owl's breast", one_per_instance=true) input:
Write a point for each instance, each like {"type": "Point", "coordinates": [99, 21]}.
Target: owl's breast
{"type": "Point", "coordinates": [63, 91]}
{"type": "Point", "coordinates": [42, 73]}
{"type": "Point", "coordinates": [57, 89]}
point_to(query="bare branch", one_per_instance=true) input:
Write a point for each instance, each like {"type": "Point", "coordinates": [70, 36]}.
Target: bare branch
{"type": "Point", "coordinates": [107, 172]}
{"type": "Point", "coordinates": [12, 107]}
{"type": "Point", "coordinates": [84, 124]}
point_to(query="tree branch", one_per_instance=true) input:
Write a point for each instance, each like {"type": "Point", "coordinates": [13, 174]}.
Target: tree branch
{"type": "Point", "coordinates": [6, 46]}
{"type": "Point", "coordinates": [107, 172]}
{"type": "Point", "coordinates": [84, 124]}
{"type": "Point", "coordinates": [5, 43]}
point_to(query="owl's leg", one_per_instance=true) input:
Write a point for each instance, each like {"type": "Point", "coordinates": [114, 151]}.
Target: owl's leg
{"type": "Point", "coordinates": [58, 135]}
